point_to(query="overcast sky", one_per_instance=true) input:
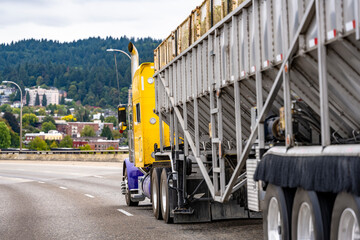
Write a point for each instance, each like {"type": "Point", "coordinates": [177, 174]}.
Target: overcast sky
{"type": "Point", "coordinates": [68, 20]}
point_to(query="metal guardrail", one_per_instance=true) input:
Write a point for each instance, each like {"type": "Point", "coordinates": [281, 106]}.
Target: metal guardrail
{"type": "Point", "coordinates": [67, 152]}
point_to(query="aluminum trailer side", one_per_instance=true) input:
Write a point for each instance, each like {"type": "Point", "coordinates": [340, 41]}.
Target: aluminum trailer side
{"type": "Point", "coordinates": [272, 93]}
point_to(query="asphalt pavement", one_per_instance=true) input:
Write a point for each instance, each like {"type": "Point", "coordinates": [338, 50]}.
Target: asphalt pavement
{"type": "Point", "coordinates": [70, 200]}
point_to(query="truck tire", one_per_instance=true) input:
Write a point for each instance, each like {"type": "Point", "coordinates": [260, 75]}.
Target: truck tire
{"type": "Point", "coordinates": [165, 196]}
{"type": "Point", "coordinates": [345, 217]}
{"type": "Point", "coordinates": [128, 200]}
{"type": "Point", "coordinates": [276, 213]}
{"type": "Point", "coordinates": [307, 217]}
{"type": "Point", "coordinates": [155, 192]}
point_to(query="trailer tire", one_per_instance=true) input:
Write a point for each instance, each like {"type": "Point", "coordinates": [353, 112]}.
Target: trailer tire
{"type": "Point", "coordinates": [128, 200]}
{"type": "Point", "coordinates": [155, 192]}
{"type": "Point", "coordinates": [277, 202]}
{"type": "Point", "coordinates": [165, 196]}
{"type": "Point", "coordinates": [307, 216]}
{"type": "Point", "coordinates": [346, 212]}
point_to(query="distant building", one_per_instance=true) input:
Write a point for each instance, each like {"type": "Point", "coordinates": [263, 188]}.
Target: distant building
{"type": "Point", "coordinates": [52, 135]}
{"type": "Point", "coordinates": [74, 129]}
{"type": "Point", "coordinates": [97, 116]}
{"type": "Point", "coordinates": [96, 143]}
{"type": "Point", "coordinates": [63, 94]}
{"type": "Point", "coordinates": [104, 144]}
{"type": "Point", "coordinates": [16, 104]}
{"type": "Point", "coordinates": [52, 95]}
{"type": "Point", "coordinates": [82, 141]}
{"type": "Point", "coordinates": [5, 93]}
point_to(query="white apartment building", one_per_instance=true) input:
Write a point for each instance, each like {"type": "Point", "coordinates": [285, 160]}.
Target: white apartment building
{"type": "Point", "coordinates": [52, 95]}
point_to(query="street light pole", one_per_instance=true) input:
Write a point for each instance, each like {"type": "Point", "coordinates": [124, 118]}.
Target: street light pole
{"type": "Point", "coordinates": [116, 69]}
{"type": "Point", "coordinates": [118, 50]}
{"type": "Point", "coordinates": [21, 104]}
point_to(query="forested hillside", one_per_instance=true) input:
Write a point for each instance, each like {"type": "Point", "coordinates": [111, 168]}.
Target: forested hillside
{"type": "Point", "coordinates": [83, 68]}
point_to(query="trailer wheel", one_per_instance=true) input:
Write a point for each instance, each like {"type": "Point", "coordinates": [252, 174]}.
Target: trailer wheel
{"type": "Point", "coordinates": [307, 216]}
{"type": "Point", "coordinates": [345, 217]}
{"type": "Point", "coordinates": [276, 213]}
{"type": "Point", "coordinates": [165, 196]}
{"type": "Point", "coordinates": [155, 192]}
{"type": "Point", "coordinates": [128, 200]}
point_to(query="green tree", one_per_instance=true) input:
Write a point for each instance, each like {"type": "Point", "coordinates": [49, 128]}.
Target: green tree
{"type": "Point", "coordinates": [88, 131]}
{"type": "Point", "coordinates": [39, 81]}
{"type": "Point", "coordinates": [102, 119]}
{"type": "Point", "coordinates": [38, 144]}
{"type": "Point", "coordinates": [44, 101]}
{"type": "Point", "coordinates": [5, 137]}
{"type": "Point", "coordinates": [111, 119]}
{"type": "Point", "coordinates": [54, 145]}
{"type": "Point", "coordinates": [16, 111]}
{"type": "Point", "coordinates": [111, 148]}
{"type": "Point", "coordinates": [37, 100]}
{"type": "Point", "coordinates": [42, 112]}
{"type": "Point", "coordinates": [47, 126]}
{"type": "Point", "coordinates": [5, 108]}
{"type": "Point", "coordinates": [62, 100]}
{"type": "Point", "coordinates": [49, 118]}
{"type": "Point", "coordinates": [72, 91]}
{"type": "Point", "coordinates": [15, 140]}
{"type": "Point", "coordinates": [62, 110]}
{"type": "Point", "coordinates": [106, 132]}
{"type": "Point", "coordinates": [27, 98]}
{"type": "Point", "coordinates": [116, 134]}
{"type": "Point", "coordinates": [86, 147]}
{"type": "Point", "coordinates": [67, 142]}
{"type": "Point", "coordinates": [29, 119]}
{"type": "Point", "coordinates": [10, 118]}
{"type": "Point", "coordinates": [27, 109]}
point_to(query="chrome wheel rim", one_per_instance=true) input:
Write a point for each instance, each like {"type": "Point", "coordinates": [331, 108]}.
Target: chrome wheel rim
{"type": "Point", "coordinates": [274, 220]}
{"type": "Point", "coordinates": [163, 196]}
{"type": "Point", "coordinates": [154, 196]}
{"type": "Point", "coordinates": [348, 225]}
{"type": "Point", "coordinates": [305, 226]}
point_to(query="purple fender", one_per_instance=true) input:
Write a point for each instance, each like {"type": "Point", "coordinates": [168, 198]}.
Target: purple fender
{"type": "Point", "coordinates": [133, 173]}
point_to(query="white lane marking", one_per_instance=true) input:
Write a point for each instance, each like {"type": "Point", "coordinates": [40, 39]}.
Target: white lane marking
{"type": "Point", "coordinates": [98, 176]}
{"type": "Point", "coordinates": [40, 182]}
{"type": "Point", "coordinates": [125, 212]}
{"type": "Point", "coordinates": [20, 169]}
{"type": "Point", "coordinates": [63, 188]}
{"type": "Point", "coordinates": [14, 179]}
{"type": "Point", "coordinates": [90, 196]}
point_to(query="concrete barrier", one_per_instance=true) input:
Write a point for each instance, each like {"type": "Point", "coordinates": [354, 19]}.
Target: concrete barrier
{"type": "Point", "coordinates": [66, 157]}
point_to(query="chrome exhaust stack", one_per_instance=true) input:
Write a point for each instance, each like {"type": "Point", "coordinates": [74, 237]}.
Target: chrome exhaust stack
{"type": "Point", "coordinates": [134, 59]}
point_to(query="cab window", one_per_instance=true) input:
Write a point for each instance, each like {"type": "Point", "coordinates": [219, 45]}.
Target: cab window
{"type": "Point", "coordinates": [138, 119]}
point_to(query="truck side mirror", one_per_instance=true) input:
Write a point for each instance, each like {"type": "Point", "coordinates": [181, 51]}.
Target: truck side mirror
{"type": "Point", "coordinates": [122, 119]}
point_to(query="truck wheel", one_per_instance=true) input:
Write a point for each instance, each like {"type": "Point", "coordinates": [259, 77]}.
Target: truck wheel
{"type": "Point", "coordinates": [165, 197]}
{"type": "Point", "coordinates": [307, 221]}
{"type": "Point", "coordinates": [128, 200]}
{"type": "Point", "coordinates": [276, 213]}
{"type": "Point", "coordinates": [155, 192]}
{"type": "Point", "coordinates": [345, 217]}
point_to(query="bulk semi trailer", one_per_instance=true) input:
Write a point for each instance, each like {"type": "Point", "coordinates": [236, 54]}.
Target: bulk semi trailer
{"type": "Point", "coordinates": [251, 107]}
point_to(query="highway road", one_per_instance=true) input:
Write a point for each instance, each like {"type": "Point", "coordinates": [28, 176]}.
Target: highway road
{"type": "Point", "coordinates": [77, 200]}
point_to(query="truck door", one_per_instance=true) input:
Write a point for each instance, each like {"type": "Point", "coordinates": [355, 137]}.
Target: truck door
{"type": "Point", "coordinates": [138, 140]}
